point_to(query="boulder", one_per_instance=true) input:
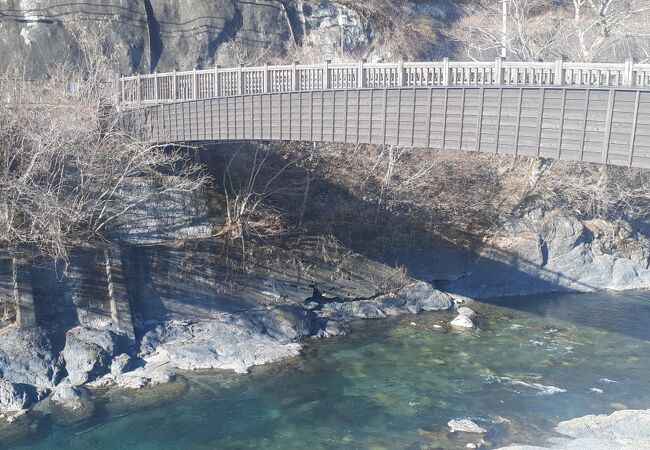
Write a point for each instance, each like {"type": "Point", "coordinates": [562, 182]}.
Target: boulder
{"type": "Point", "coordinates": [421, 296]}
{"type": "Point", "coordinates": [88, 353]}
{"type": "Point", "coordinates": [233, 342]}
{"type": "Point", "coordinates": [462, 321]}
{"type": "Point", "coordinates": [15, 397]}
{"type": "Point", "coordinates": [414, 298]}
{"type": "Point", "coordinates": [28, 357]}
{"type": "Point", "coordinates": [71, 397]}
{"type": "Point", "coordinates": [467, 312]}
{"type": "Point", "coordinates": [71, 404]}
{"type": "Point", "coordinates": [286, 323]}
{"type": "Point", "coordinates": [465, 426]}
{"type": "Point", "coordinates": [122, 363]}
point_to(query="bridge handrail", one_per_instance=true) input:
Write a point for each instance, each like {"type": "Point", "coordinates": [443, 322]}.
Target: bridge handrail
{"type": "Point", "coordinates": [174, 86]}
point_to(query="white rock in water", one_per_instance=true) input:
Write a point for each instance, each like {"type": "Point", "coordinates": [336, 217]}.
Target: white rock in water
{"type": "Point", "coordinates": [437, 326]}
{"type": "Point", "coordinates": [464, 425]}
{"type": "Point", "coordinates": [462, 322]}
{"type": "Point", "coordinates": [596, 390]}
{"type": "Point", "coordinates": [467, 312]}
{"type": "Point", "coordinates": [471, 445]}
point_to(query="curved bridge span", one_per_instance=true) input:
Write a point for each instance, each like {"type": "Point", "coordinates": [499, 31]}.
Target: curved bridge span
{"type": "Point", "coordinates": [603, 119]}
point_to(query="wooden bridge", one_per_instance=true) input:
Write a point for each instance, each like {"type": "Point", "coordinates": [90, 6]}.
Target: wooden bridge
{"type": "Point", "coordinates": [571, 111]}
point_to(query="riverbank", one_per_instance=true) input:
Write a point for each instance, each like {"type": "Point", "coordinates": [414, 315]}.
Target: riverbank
{"type": "Point", "coordinates": [393, 383]}
{"type": "Point", "coordinates": [189, 311]}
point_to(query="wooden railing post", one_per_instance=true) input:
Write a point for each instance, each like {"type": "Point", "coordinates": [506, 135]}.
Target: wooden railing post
{"type": "Point", "coordinates": [240, 80]}
{"type": "Point", "coordinates": [139, 90]}
{"type": "Point", "coordinates": [400, 73]}
{"type": "Point", "coordinates": [120, 86]}
{"type": "Point", "coordinates": [295, 80]}
{"type": "Point", "coordinates": [628, 73]}
{"type": "Point", "coordinates": [174, 85]}
{"type": "Point", "coordinates": [194, 85]}
{"type": "Point", "coordinates": [265, 81]}
{"type": "Point", "coordinates": [361, 75]}
{"type": "Point", "coordinates": [559, 72]}
{"type": "Point", "coordinates": [155, 86]}
{"type": "Point", "coordinates": [445, 72]}
{"type": "Point", "coordinates": [498, 71]}
{"type": "Point", "coordinates": [326, 74]}
{"type": "Point", "coordinates": [217, 84]}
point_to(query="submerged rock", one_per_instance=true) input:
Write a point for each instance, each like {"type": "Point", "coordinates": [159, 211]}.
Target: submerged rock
{"type": "Point", "coordinates": [70, 404]}
{"type": "Point", "coordinates": [462, 321]}
{"type": "Point", "coordinates": [89, 353]}
{"type": "Point", "coordinates": [465, 426]}
{"type": "Point", "coordinates": [15, 397]}
{"type": "Point", "coordinates": [467, 312]}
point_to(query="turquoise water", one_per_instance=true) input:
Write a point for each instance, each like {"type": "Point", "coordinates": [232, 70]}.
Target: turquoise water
{"type": "Point", "coordinates": [394, 385]}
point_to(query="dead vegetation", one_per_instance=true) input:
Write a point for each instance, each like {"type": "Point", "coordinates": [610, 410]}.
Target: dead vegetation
{"type": "Point", "coordinates": [67, 170]}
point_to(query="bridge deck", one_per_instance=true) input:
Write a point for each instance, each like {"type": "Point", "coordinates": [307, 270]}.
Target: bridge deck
{"type": "Point", "coordinates": [609, 125]}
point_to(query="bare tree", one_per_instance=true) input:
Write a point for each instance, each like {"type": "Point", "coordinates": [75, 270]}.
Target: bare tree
{"type": "Point", "coordinates": [67, 169]}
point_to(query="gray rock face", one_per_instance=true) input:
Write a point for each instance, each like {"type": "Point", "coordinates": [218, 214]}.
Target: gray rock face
{"type": "Point", "coordinates": [156, 34]}
{"type": "Point", "coordinates": [236, 341]}
{"type": "Point", "coordinates": [416, 297]}
{"type": "Point", "coordinates": [27, 357]}
{"type": "Point", "coordinates": [555, 252]}
{"type": "Point", "coordinates": [122, 363]}
{"type": "Point", "coordinates": [40, 32]}
{"type": "Point", "coordinates": [15, 397]}
{"type": "Point", "coordinates": [629, 429]}
{"type": "Point", "coordinates": [88, 353]}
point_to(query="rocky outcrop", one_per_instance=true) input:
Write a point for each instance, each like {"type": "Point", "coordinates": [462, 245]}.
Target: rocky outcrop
{"type": "Point", "coordinates": [29, 357]}
{"type": "Point", "coordinates": [235, 341]}
{"type": "Point", "coordinates": [15, 397]}
{"type": "Point", "coordinates": [417, 297]}
{"type": "Point", "coordinates": [89, 353]}
{"type": "Point", "coordinates": [629, 429]}
{"type": "Point", "coordinates": [549, 252]}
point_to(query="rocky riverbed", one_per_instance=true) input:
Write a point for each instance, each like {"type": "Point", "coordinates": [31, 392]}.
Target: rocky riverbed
{"type": "Point", "coordinates": [540, 252]}
{"type": "Point", "coordinates": [410, 380]}
{"type": "Point", "coordinates": [32, 368]}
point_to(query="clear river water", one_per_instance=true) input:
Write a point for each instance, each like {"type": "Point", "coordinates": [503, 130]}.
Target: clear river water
{"type": "Point", "coordinates": [394, 384]}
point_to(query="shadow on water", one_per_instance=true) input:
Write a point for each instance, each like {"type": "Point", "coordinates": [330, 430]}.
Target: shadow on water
{"type": "Point", "coordinates": [626, 313]}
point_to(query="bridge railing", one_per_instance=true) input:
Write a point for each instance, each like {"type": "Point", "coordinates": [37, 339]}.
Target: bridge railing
{"type": "Point", "coordinates": [223, 82]}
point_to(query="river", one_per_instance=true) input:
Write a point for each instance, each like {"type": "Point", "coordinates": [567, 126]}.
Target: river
{"type": "Point", "coordinates": [394, 384]}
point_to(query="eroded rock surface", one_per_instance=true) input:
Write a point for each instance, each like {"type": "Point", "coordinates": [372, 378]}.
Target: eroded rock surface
{"type": "Point", "coordinates": [550, 252]}
{"type": "Point", "coordinates": [89, 353]}
{"type": "Point", "coordinates": [416, 297]}
{"type": "Point", "coordinates": [29, 357]}
{"type": "Point", "coordinates": [15, 397]}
